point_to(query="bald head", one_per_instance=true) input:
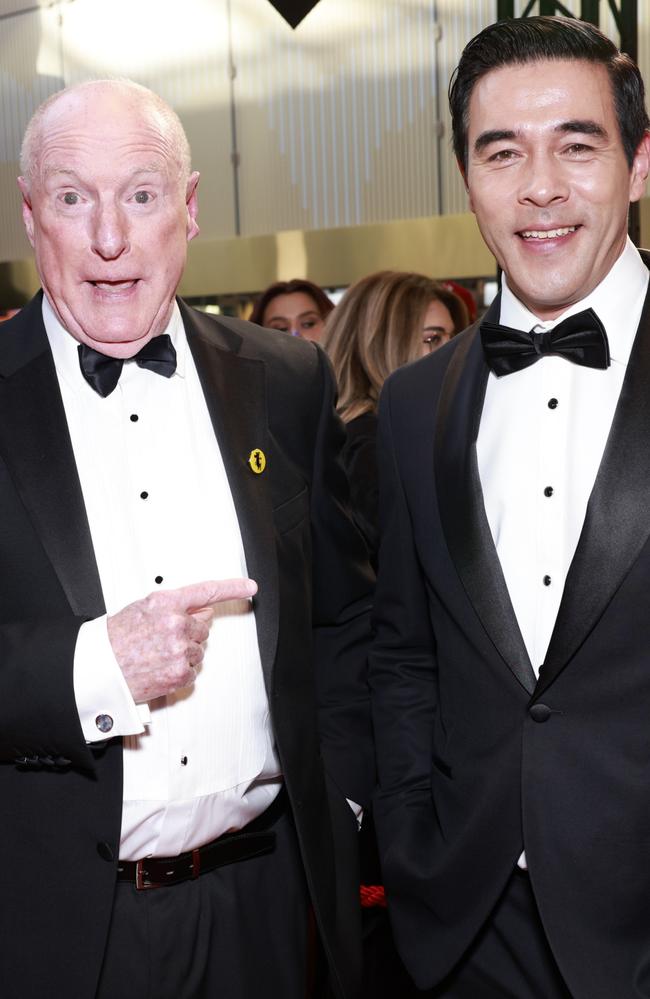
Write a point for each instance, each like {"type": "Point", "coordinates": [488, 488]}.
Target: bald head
{"type": "Point", "coordinates": [109, 206]}
{"type": "Point", "coordinates": [81, 97]}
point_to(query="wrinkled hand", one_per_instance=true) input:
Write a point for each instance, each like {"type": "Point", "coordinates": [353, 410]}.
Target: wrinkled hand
{"type": "Point", "coordinates": [158, 641]}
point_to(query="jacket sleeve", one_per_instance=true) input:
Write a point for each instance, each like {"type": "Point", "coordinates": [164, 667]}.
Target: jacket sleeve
{"type": "Point", "coordinates": [39, 723]}
{"type": "Point", "coordinates": [403, 676]}
{"type": "Point", "coordinates": [342, 584]}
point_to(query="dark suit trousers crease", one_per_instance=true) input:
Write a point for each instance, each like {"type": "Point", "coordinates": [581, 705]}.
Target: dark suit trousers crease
{"type": "Point", "coordinates": [242, 931]}
{"type": "Point", "coordinates": [511, 957]}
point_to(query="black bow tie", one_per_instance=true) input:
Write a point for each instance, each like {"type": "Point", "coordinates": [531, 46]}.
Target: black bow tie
{"type": "Point", "coordinates": [580, 338]}
{"type": "Point", "coordinates": [103, 373]}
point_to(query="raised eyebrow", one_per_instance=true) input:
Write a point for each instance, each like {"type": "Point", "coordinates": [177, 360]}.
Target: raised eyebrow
{"type": "Point", "coordinates": [147, 170]}
{"type": "Point", "coordinates": [52, 171]}
{"type": "Point", "coordinates": [493, 135]}
{"type": "Point", "coordinates": [583, 127]}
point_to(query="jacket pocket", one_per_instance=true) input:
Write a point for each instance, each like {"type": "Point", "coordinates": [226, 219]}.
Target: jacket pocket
{"type": "Point", "coordinates": [292, 512]}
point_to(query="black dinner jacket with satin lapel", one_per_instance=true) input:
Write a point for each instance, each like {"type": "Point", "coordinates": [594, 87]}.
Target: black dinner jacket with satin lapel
{"type": "Point", "coordinates": [476, 757]}
{"type": "Point", "coordinates": [62, 798]}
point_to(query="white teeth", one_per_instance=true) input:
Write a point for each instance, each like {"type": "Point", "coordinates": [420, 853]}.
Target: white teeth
{"type": "Point", "coordinates": [548, 233]}
{"type": "Point", "coordinates": [113, 285]}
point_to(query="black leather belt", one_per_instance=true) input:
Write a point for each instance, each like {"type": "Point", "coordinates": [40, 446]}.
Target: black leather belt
{"type": "Point", "coordinates": [253, 840]}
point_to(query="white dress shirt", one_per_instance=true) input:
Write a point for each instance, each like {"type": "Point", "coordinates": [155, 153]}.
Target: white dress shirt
{"type": "Point", "coordinates": [201, 761]}
{"type": "Point", "coordinates": [538, 458]}
{"type": "Point", "coordinates": [541, 440]}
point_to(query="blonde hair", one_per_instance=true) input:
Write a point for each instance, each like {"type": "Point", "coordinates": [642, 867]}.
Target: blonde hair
{"type": "Point", "coordinates": [168, 119]}
{"type": "Point", "coordinates": [376, 328]}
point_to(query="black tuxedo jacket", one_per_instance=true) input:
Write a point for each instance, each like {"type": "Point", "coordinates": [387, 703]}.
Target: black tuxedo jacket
{"type": "Point", "coordinates": [359, 458]}
{"type": "Point", "coordinates": [61, 799]}
{"type": "Point", "coordinates": [477, 759]}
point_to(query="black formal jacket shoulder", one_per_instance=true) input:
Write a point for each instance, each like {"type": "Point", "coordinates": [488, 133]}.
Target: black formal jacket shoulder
{"type": "Point", "coordinates": [477, 757]}
{"type": "Point", "coordinates": [61, 798]}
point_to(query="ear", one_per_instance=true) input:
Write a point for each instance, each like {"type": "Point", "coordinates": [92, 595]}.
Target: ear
{"type": "Point", "coordinates": [640, 169]}
{"type": "Point", "coordinates": [192, 204]}
{"type": "Point", "coordinates": [28, 215]}
{"type": "Point", "coordinates": [463, 173]}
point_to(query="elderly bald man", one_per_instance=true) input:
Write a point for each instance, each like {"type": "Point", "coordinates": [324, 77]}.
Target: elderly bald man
{"type": "Point", "coordinates": [183, 617]}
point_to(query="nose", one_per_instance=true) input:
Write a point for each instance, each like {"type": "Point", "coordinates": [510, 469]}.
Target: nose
{"type": "Point", "coordinates": [542, 181]}
{"type": "Point", "coordinates": [109, 236]}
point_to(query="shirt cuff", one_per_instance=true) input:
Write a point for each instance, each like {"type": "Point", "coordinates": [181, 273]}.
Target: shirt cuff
{"type": "Point", "coordinates": [104, 702]}
{"type": "Point", "coordinates": [358, 811]}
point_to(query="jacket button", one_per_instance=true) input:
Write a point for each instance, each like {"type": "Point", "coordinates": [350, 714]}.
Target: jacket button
{"type": "Point", "coordinates": [540, 712]}
{"type": "Point", "coordinates": [105, 850]}
{"type": "Point", "coordinates": [29, 761]}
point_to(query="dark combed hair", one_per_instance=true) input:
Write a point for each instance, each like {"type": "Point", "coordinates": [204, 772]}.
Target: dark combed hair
{"type": "Point", "coordinates": [323, 304]}
{"type": "Point", "coordinates": [534, 39]}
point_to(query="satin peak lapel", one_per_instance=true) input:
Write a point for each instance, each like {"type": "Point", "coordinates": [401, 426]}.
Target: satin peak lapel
{"type": "Point", "coordinates": [617, 521]}
{"type": "Point", "coordinates": [235, 393]}
{"type": "Point", "coordinates": [460, 500]}
{"type": "Point", "coordinates": [36, 447]}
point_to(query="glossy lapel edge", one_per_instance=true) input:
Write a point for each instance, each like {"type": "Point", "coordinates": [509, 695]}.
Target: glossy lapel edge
{"type": "Point", "coordinates": [460, 500]}
{"type": "Point", "coordinates": [234, 387]}
{"type": "Point", "coordinates": [609, 544]}
{"type": "Point", "coordinates": [36, 446]}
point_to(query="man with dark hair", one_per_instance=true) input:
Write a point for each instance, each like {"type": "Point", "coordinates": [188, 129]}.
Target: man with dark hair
{"type": "Point", "coordinates": [511, 674]}
{"type": "Point", "coordinates": [538, 39]}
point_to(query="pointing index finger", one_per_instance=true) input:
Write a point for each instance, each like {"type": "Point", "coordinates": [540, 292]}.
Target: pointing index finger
{"type": "Point", "coordinates": [198, 595]}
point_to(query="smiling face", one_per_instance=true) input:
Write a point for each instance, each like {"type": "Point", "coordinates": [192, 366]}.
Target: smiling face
{"type": "Point", "coordinates": [548, 179]}
{"type": "Point", "coordinates": [109, 215]}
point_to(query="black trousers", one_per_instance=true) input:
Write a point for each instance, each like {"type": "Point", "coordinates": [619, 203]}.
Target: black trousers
{"type": "Point", "coordinates": [511, 957]}
{"type": "Point", "coordinates": [243, 931]}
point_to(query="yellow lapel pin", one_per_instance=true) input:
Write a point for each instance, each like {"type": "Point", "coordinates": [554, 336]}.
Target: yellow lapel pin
{"type": "Point", "coordinates": [257, 460]}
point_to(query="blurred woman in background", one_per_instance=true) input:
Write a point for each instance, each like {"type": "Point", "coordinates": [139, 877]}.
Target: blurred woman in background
{"type": "Point", "coordinates": [298, 307]}
{"type": "Point", "coordinates": [383, 321]}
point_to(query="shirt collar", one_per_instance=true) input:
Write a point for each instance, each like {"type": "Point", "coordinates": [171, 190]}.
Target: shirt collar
{"type": "Point", "coordinates": [620, 295]}
{"type": "Point", "coordinates": [66, 357]}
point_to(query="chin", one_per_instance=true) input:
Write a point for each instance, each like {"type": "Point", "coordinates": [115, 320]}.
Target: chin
{"type": "Point", "coordinates": [114, 343]}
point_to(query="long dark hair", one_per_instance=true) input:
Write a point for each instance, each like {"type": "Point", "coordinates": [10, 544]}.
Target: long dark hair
{"type": "Point", "coordinates": [376, 328]}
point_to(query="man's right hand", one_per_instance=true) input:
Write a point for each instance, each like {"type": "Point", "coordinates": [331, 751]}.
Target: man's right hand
{"type": "Point", "coordinates": [158, 641]}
